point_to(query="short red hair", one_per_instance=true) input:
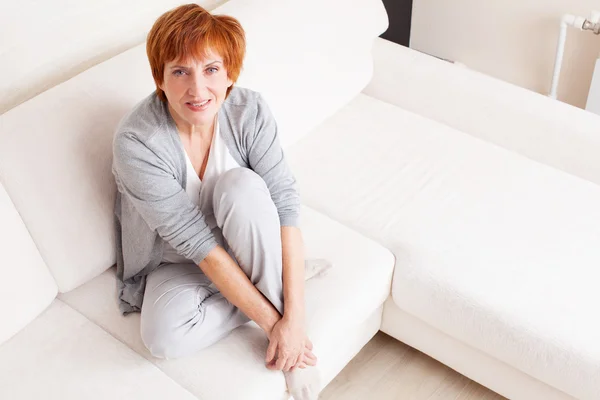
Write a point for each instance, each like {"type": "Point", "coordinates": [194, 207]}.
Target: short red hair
{"type": "Point", "coordinates": [188, 32]}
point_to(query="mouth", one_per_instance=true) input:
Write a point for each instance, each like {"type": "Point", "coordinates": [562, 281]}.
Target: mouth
{"type": "Point", "coordinates": [198, 106]}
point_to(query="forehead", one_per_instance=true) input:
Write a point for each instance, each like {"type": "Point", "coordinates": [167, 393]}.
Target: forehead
{"type": "Point", "coordinates": [197, 57]}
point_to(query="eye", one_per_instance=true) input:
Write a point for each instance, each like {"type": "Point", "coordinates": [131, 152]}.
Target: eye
{"type": "Point", "coordinates": [179, 72]}
{"type": "Point", "coordinates": [212, 70]}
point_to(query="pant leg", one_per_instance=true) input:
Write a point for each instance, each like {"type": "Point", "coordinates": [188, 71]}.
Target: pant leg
{"type": "Point", "coordinates": [250, 224]}
{"type": "Point", "coordinates": [182, 313]}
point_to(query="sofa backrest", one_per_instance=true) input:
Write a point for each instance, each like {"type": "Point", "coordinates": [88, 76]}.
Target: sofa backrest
{"type": "Point", "coordinates": [308, 58]}
{"type": "Point", "coordinates": [45, 43]}
{"type": "Point", "coordinates": [26, 287]}
{"type": "Point", "coordinates": [536, 126]}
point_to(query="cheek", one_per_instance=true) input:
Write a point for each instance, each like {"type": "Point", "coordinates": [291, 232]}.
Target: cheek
{"type": "Point", "coordinates": [220, 85]}
{"type": "Point", "coordinates": [174, 88]}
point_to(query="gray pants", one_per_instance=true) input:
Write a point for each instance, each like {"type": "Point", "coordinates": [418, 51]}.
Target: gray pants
{"type": "Point", "coordinates": [182, 312]}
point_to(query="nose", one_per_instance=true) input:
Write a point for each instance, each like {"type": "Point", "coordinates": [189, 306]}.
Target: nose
{"type": "Point", "coordinates": [198, 85]}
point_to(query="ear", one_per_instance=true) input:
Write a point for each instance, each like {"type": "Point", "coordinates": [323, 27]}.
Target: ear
{"type": "Point", "coordinates": [229, 82]}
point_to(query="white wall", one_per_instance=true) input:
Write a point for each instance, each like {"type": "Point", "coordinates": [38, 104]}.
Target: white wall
{"type": "Point", "coordinates": [514, 40]}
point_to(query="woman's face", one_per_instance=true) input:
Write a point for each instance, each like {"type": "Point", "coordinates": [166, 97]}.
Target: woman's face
{"type": "Point", "coordinates": [195, 90]}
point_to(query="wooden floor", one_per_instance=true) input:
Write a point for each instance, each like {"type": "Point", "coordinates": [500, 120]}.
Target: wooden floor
{"type": "Point", "coordinates": [387, 369]}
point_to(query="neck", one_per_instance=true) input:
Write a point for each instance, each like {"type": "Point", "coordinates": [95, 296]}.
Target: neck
{"type": "Point", "coordinates": [186, 129]}
{"type": "Point", "coordinates": [199, 131]}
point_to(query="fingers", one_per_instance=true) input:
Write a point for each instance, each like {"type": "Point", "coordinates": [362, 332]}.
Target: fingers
{"type": "Point", "coordinates": [311, 362]}
{"type": "Point", "coordinates": [281, 362]}
{"type": "Point", "coordinates": [271, 350]}
{"type": "Point", "coordinates": [291, 361]}
{"type": "Point", "coordinates": [308, 344]}
{"type": "Point", "coordinates": [309, 358]}
{"type": "Point", "coordinates": [304, 362]}
{"type": "Point", "coordinates": [300, 365]}
{"type": "Point", "coordinates": [278, 358]}
{"type": "Point", "coordinates": [309, 354]}
{"type": "Point", "coordinates": [271, 366]}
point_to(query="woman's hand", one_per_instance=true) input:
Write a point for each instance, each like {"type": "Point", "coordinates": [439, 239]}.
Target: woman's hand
{"type": "Point", "coordinates": [308, 359]}
{"type": "Point", "coordinates": [289, 347]}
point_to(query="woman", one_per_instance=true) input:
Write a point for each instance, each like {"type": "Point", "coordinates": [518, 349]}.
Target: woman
{"type": "Point", "coordinates": [207, 209]}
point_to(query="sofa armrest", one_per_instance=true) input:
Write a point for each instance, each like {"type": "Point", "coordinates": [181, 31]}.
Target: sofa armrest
{"type": "Point", "coordinates": [545, 130]}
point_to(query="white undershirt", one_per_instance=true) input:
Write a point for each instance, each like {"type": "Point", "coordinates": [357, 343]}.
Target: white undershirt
{"type": "Point", "coordinates": [201, 192]}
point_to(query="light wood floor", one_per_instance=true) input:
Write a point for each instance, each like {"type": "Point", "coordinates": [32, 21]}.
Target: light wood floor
{"type": "Point", "coordinates": [387, 369]}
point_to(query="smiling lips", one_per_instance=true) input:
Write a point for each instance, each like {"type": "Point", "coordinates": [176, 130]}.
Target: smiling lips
{"type": "Point", "coordinates": [198, 106]}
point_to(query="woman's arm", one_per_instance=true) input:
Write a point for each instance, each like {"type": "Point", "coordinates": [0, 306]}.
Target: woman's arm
{"type": "Point", "coordinates": [149, 184]}
{"type": "Point", "coordinates": [293, 273]}
{"type": "Point", "coordinates": [286, 335]}
{"type": "Point", "coordinates": [290, 332]}
{"type": "Point", "coordinates": [266, 158]}
{"type": "Point", "coordinates": [233, 283]}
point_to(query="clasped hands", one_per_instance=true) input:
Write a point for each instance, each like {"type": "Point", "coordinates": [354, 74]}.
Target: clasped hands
{"type": "Point", "coordinates": [289, 347]}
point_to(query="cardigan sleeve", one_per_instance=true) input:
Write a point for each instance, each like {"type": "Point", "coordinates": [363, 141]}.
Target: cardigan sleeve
{"type": "Point", "coordinates": [158, 197]}
{"type": "Point", "coordinates": [267, 159]}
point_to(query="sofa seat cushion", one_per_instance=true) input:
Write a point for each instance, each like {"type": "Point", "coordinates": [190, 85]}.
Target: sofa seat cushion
{"type": "Point", "coordinates": [62, 355]}
{"type": "Point", "coordinates": [343, 311]}
{"type": "Point", "coordinates": [493, 249]}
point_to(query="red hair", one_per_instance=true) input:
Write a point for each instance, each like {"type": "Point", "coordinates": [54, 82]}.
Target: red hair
{"type": "Point", "coordinates": [189, 32]}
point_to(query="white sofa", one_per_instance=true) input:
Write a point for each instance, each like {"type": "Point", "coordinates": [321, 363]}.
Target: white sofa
{"type": "Point", "coordinates": [460, 213]}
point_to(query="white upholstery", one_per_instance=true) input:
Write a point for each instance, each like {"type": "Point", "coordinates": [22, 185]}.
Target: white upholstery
{"type": "Point", "coordinates": [483, 368]}
{"type": "Point", "coordinates": [497, 255]}
{"type": "Point", "coordinates": [62, 355]}
{"type": "Point", "coordinates": [308, 58]}
{"type": "Point", "coordinates": [343, 312]}
{"type": "Point", "coordinates": [47, 42]}
{"type": "Point", "coordinates": [501, 252]}
{"type": "Point", "coordinates": [545, 130]}
{"type": "Point", "coordinates": [63, 186]}
{"type": "Point", "coordinates": [26, 286]}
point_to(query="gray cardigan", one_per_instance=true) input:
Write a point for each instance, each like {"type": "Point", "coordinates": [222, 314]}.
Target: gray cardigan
{"type": "Point", "coordinates": [150, 171]}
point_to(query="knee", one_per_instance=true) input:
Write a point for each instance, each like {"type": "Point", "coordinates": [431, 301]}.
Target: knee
{"type": "Point", "coordinates": [240, 182]}
{"type": "Point", "coordinates": [244, 188]}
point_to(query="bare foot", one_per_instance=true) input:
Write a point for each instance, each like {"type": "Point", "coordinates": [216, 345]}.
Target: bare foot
{"type": "Point", "coordinates": [316, 267]}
